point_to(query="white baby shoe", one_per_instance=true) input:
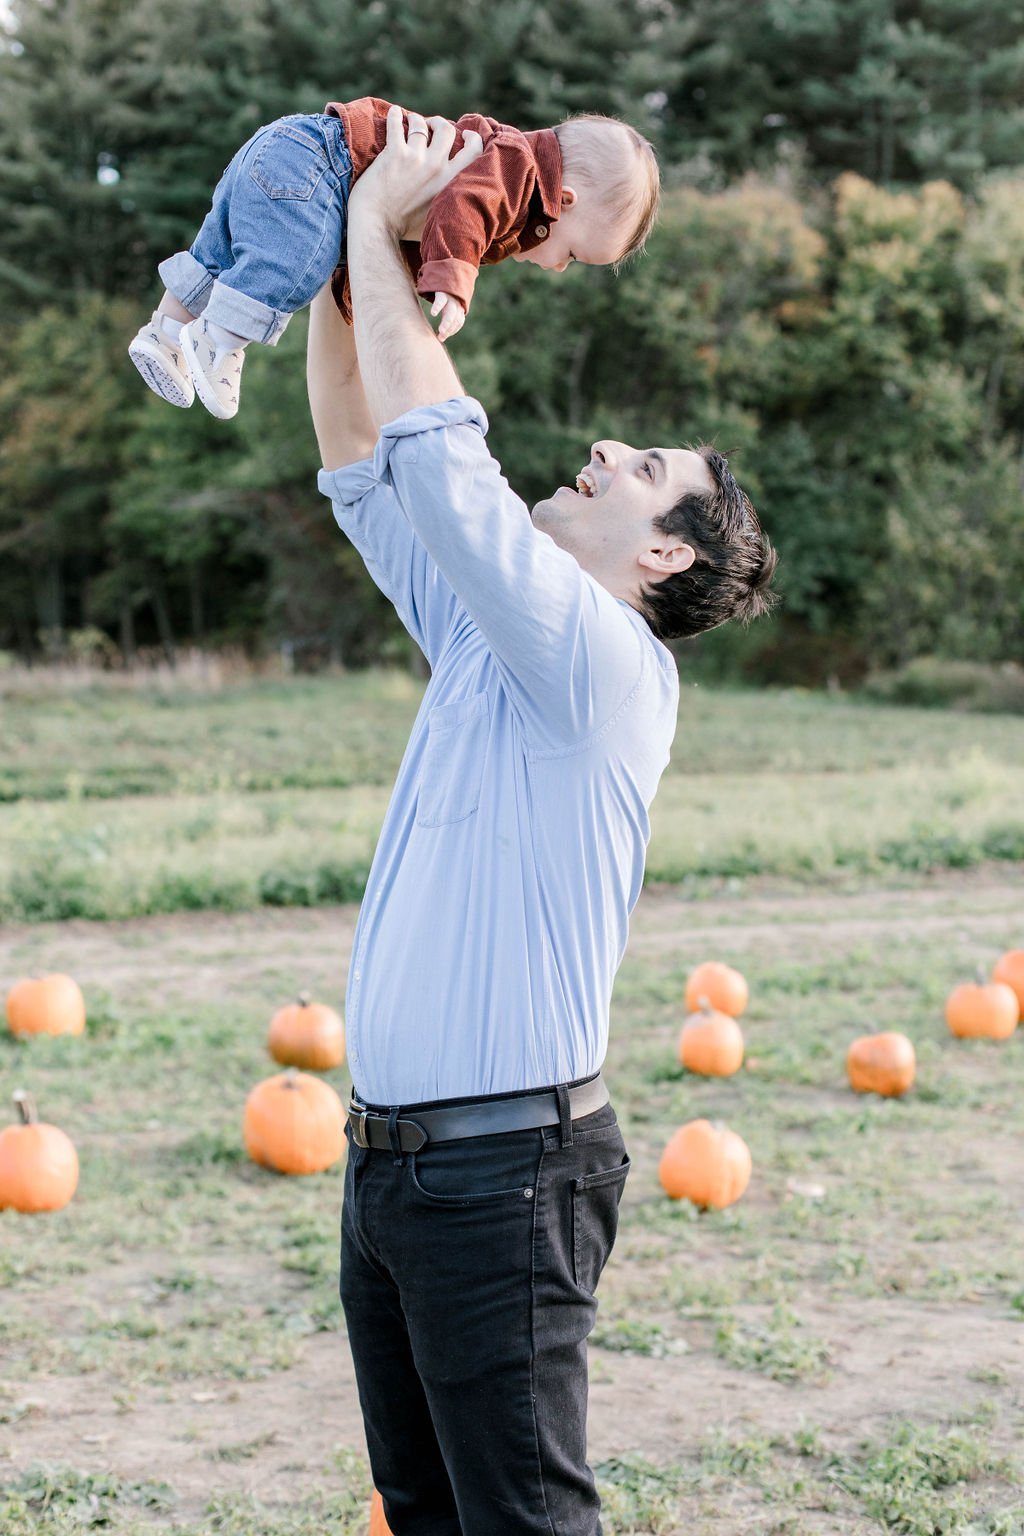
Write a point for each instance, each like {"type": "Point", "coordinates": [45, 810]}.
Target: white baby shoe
{"type": "Point", "coordinates": [160, 359]}
{"type": "Point", "coordinates": [215, 370]}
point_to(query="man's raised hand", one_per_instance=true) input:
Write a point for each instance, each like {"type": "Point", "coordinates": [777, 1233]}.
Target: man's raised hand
{"type": "Point", "coordinates": [410, 171]}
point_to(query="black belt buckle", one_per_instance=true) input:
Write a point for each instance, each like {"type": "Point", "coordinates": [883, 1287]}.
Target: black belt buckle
{"type": "Point", "coordinates": [358, 1114]}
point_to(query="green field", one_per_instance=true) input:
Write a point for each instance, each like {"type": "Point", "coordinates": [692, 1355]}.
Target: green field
{"type": "Point", "coordinates": [117, 803]}
{"type": "Point", "coordinates": [841, 1352]}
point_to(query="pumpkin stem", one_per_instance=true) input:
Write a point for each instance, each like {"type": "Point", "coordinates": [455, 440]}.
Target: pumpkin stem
{"type": "Point", "coordinates": [289, 1077]}
{"type": "Point", "coordinates": [26, 1106]}
{"type": "Point", "coordinates": [304, 999]}
{"type": "Point", "coordinates": [704, 1004]}
{"type": "Point", "coordinates": [982, 975]}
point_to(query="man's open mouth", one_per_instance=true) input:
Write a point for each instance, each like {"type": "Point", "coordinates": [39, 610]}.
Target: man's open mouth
{"type": "Point", "coordinates": [586, 485]}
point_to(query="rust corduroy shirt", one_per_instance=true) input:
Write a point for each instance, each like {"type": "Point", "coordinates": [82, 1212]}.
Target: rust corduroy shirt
{"type": "Point", "coordinates": [506, 201]}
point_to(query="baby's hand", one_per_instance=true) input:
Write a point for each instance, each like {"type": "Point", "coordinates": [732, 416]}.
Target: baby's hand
{"type": "Point", "coordinates": [453, 316]}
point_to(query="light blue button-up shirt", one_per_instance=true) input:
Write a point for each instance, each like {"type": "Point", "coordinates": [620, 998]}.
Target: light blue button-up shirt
{"type": "Point", "coordinates": [512, 852]}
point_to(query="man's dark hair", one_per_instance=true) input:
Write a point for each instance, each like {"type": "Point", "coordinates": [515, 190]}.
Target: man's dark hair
{"type": "Point", "coordinates": [735, 562]}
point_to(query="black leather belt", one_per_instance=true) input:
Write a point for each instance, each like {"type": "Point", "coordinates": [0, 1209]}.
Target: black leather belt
{"type": "Point", "coordinates": [524, 1112]}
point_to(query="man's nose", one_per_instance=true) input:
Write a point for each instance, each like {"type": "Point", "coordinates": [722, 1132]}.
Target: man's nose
{"type": "Point", "coordinates": [606, 453]}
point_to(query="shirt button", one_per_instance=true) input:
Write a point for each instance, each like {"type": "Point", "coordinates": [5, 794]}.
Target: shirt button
{"type": "Point", "coordinates": [541, 231]}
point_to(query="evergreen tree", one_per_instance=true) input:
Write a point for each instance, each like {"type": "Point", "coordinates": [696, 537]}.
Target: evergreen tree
{"type": "Point", "coordinates": [897, 90]}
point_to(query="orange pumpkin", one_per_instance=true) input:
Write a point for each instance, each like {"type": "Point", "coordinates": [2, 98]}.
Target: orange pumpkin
{"type": "Point", "coordinates": [883, 1064]}
{"type": "Point", "coordinates": [705, 1163]}
{"type": "Point", "coordinates": [988, 1010]}
{"type": "Point", "coordinates": [1009, 969]}
{"type": "Point", "coordinates": [307, 1035]}
{"type": "Point", "coordinates": [294, 1123]}
{"type": "Point", "coordinates": [38, 1163]}
{"type": "Point", "coordinates": [378, 1523]}
{"type": "Point", "coordinates": [711, 1043]}
{"type": "Point", "coordinates": [46, 1005]}
{"type": "Point", "coordinates": [724, 988]}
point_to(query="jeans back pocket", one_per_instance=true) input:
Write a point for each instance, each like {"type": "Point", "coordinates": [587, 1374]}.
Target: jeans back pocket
{"type": "Point", "coordinates": [595, 1221]}
{"type": "Point", "coordinates": [453, 761]}
{"type": "Point", "coordinates": [289, 162]}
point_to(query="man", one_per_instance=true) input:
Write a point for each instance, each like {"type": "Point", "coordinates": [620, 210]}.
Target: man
{"type": "Point", "coordinates": [485, 1164]}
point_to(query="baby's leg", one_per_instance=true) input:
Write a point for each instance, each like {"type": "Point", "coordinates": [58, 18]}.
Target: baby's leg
{"type": "Point", "coordinates": [287, 222]}
{"type": "Point", "coordinates": [173, 308]}
{"type": "Point", "coordinates": [158, 351]}
{"type": "Point", "coordinates": [189, 276]}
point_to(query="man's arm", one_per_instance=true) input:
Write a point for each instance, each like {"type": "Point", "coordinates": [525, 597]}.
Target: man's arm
{"type": "Point", "coordinates": [365, 504]}
{"type": "Point", "coordinates": [403, 363]}
{"type": "Point", "coordinates": [346, 415]}
{"type": "Point", "coordinates": [569, 654]}
{"type": "Point", "coordinates": [345, 429]}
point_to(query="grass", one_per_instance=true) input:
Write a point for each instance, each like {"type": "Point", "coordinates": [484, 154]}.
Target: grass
{"type": "Point", "coordinates": [920, 1480]}
{"type": "Point", "coordinates": [58, 1500]}
{"type": "Point", "coordinates": [272, 793]}
{"type": "Point", "coordinates": [182, 1268]}
{"type": "Point", "coordinates": [181, 1262]}
{"type": "Point", "coordinates": [303, 733]}
{"type": "Point", "coordinates": [777, 1346]}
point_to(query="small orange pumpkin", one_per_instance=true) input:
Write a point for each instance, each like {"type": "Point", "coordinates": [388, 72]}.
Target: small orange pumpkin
{"type": "Point", "coordinates": [294, 1123]}
{"type": "Point", "coordinates": [724, 988]}
{"type": "Point", "coordinates": [1009, 969]}
{"type": "Point", "coordinates": [705, 1163]}
{"type": "Point", "coordinates": [711, 1043]}
{"type": "Point", "coordinates": [982, 1010]}
{"type": "Point", "coordinates": [38, 1162]}
{"type": "Point", "coordinates": [46, 1005]}
{"type": "Point", "coordinates": [307, 1035]}
{"type": "Point", "coordinates": [883, 1064]}
{"type": "Point", "coordinates": [378, 1523]}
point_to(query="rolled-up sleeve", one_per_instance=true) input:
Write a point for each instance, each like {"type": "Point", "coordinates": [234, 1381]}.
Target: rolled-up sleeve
{"type": "Point", "coordinates": [368, 511]}
{"type": "Point", "coordinates": [570, 654]}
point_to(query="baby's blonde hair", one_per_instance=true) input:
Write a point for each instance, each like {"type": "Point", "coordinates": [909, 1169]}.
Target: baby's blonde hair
{"type": "Point", "coordinates": [618, 164]}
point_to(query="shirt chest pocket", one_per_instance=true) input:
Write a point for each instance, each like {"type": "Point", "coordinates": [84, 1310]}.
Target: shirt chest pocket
{"type": "Point", "coordinates": [453, 762]}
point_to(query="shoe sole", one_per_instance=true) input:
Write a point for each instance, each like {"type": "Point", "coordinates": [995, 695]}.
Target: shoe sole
{"type": "Point", "coordinates": [150, 362]}
{"type": "Point", "coordinates": [202, 386]}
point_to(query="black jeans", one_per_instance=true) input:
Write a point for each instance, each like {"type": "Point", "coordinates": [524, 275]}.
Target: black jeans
{"type": "Point", "coordinates": [468, 1273]}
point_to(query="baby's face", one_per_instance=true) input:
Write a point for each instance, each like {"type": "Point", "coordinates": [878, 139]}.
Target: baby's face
{"type": "Point", "coordinates": [580, 234]}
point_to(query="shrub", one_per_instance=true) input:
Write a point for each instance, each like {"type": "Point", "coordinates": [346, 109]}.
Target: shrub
{"type": "Point", "coordinates": [935, 683]}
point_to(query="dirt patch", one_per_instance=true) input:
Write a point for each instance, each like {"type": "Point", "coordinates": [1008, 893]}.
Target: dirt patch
{"type": "Point", "coordinates": [276, 1437]}
{"type": "Point", "coordinates": [313, 944]}
{"type": "Point", "coordinates": [189, 953]}
{"type": "Point", "coordinates": [946, 901]}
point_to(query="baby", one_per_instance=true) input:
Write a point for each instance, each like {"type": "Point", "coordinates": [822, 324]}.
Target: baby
{"type": "Point", "coordinates": [586, 191]}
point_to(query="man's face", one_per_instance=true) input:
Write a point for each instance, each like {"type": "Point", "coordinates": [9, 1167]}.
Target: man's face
{"type": "Point", "coordinates": [607, 521]}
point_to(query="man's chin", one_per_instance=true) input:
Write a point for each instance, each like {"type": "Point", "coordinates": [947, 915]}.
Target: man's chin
{"type": "Point", "coordinates": [549, 508]}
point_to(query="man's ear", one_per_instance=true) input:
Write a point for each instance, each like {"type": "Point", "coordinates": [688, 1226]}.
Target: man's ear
{"type": "Point", "coordinates": [667, 559]}
{"type": "Point", "coordinates": [569, 196]}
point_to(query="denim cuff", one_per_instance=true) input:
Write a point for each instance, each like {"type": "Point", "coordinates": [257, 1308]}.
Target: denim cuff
{"type": "Point", "coordinates": [187, 278]}
{"type": "Point", "coordinates": [201, 293]}
{"type": "Point", "coordinates": [247, 317]}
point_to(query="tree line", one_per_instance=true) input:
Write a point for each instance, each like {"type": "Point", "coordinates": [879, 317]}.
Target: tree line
{"type": "Point", "coordinates": [834, 295]}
